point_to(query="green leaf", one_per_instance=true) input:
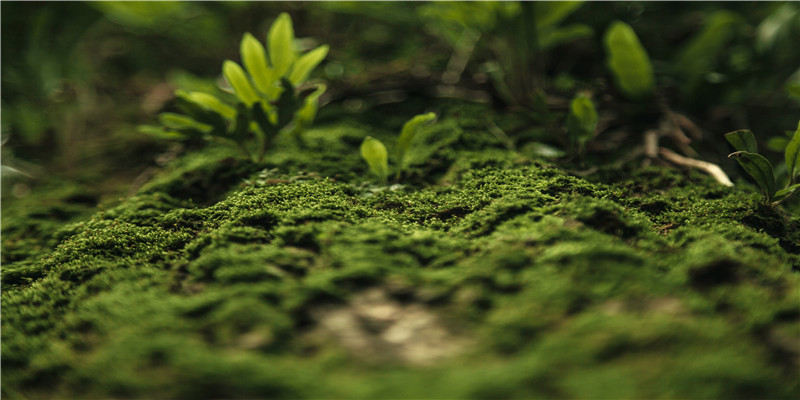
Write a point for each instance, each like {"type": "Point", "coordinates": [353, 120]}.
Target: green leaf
{"type": "Point", "coordinates": [307, 114]}
{"type": "Point", "coordinates": [582, 119]}
{"type": "Point", "coordinates": [628, 61]}
{"type": "Point", "coordinates": [281, 44]}
{"type": "Point", "coordinates": [208, 102]}
{"type": "Point", "coordinates": [409, 132]}
{"type": "Point", "coordinates": [161, 133]}
{"type": "Point", "coordinates": [760, 169]}
{"type": "Point", "coordinates": [374, 152]}
{"type": "Point", "coordinates": [786, 192]}
{"type": "Point", "coordinates": [254, 58]}
{"type": "Point", "coordinates": [261, 117]}
{"type": "Point", "coordinates": [238, 80]}
{"type": "Point", "coordinates": [178, 121]}
{"type": "Point", "coordinates": [553, 37]}
{"type": "Point", "coordinates": [743, 140]}
{"type": "Point", "coordinates": [792, 155]}
{"type": "Point", "coordinates": [306, 63]}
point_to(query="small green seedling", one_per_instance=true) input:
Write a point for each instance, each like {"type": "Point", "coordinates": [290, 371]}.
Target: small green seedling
{"type": "Point", "coordinates": [374, 152]}
{"type": "Point", "coordinates": [761, 169]}
{"type": "Point", "coordinates": [581, 121]}
{"type": "Point", "coordinates": [628, 61]}
{"type": "Point", "coordinates": [267, 97]}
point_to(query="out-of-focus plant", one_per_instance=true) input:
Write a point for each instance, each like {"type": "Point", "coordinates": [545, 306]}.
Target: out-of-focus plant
{"type": "Point", "coordinates": [581, 122]}
{"type": "Point", "coordinates": [375, 154]}
{"type": "Point", "coordinates": [518, 34]}
{"type": "Point", "coordinates": [761, 169]}
{"type": "Point", "coordinates": [268, 96]}
{"type": "Point", "coordinates": [628, 61]}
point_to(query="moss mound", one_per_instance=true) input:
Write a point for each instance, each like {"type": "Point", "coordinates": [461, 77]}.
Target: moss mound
{"type": "Point", "coordinates": [487, 275]}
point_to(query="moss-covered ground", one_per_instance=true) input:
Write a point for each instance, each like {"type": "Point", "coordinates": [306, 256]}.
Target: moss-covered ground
{"type": "Point", "coordinates": [487, 274]}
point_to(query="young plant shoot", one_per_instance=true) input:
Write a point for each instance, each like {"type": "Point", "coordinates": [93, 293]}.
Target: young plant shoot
{"type": "Point", "coordinates": [375, 154]}
{"type": "Point", "coordinates": [267, 97]}
{"type": "Point", "coordinates": [581, 122]}
{"type": "Point", "coordinates": [628, 61]}
{"type": "Point", "coordinates": [761, 169]}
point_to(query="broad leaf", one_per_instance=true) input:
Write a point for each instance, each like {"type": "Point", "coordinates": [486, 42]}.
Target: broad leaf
{"type": "Point", "coordinates": [792, 155]}
{"type": "Point", "coordinates": [306, 63]}
{"type": "Point", "coordinates": [281, 44]}
{"type": "Point", "coordinates": [743, 140]}
{"type": "Point", "coordinates": [254, 58]}
{"type": "Point", "coordinates": [409, 132]}
{"type": "Point", "coordinates": [582, 119]}
{"type": "Point", "coordinates": [238, 80]}
{"type": "Point", "coordinates": [760, 169]}
{"type": "Point", "coordinates": [628, 61]}
{"type": "Point", "coordinates": [374, 152]}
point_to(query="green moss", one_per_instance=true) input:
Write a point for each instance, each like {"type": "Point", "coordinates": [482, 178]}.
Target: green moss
{"type": "Point", "coordinates": [223, 278]}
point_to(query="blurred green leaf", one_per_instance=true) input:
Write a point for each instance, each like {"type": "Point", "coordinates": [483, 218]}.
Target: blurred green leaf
{"type": "Point", "coordinates": [281, 44]}
{"type": "Point", "coordinates": [776, 27]}
{"type": "Point", "coordinates": [582, 120]}
{"type": "Point", "coordinates": [628, 61]}
{"type": "Point", "coordinates": [306, 63]}
{"type": "Point", "coordinates": [178, 121]}
{"type": "Point", "coordinates": [552, 12]}
{"type": "Point", "coordinates": [557, 36]}
{"type": "Point", "coordinates": [743, 140]}
{"type": "Point", "coordinates": [409, 132]}
{"type": "Point", "coordinates": [374, 152]}
{"type": "Point", "coordinates": [254, 58]}
{"type": "Point", "coordinates": [238, 80]}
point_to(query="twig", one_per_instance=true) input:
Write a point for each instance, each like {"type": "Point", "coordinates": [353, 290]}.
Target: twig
{"type": "Point", "coordinates": [712, 169]}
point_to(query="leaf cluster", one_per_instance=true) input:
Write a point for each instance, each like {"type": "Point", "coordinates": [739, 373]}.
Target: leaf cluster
{"type": "Point", "coordinates": [377, 157]}
{"type": "Point", "coordinates": [267, 91]}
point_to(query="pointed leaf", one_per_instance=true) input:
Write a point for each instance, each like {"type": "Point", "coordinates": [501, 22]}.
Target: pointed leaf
{"type": "Point", "coordinates": [178, 121]}
{"type": "Point", "coordinates": [208, 102]}
{"type": "Point", "coordinates": [743, 140]}
{"type": "Point", "coordinates": [307, 114]}
{"type": "Point", "coordinates": [254, 58]}
{"type": "Point", "coordinates": [786, 192]}
{"type": "Point", "coordinates": [628, 61]}
{"type": "Point", "coordinates": [306, 63]}
{"type": "Point", "coordinates": [760, 169]}
{"type": "Point", "coordinates": [410, 130]}
{"type": "Point", "coordinates": [374, 152]}
{"type": "Point", "coordinates": [238, 80]}
{"type": "Point", "coordinates": [281, 44]}
{"type": "Point", "coordinates": [582, 119]}
{"type": "Point", "coordinates": [792, 155]}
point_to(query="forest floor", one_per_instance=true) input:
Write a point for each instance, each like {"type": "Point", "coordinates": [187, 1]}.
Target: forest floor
{"type": "Point", "coordinates": [485, 273]}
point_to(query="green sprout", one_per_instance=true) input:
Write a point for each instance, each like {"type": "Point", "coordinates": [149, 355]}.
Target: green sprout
{"type": "Point", "coordinates": [268, 99]}
{"type": "Point", "coordinates": [374, 152]}
{"type": "Point", "coordinates": [761, 169]}
{"type": "Point", "coordinates": [581, 121]}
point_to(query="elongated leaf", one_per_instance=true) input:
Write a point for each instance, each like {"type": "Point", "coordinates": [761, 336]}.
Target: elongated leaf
{"type": "Point", "coordinates": [552, 37]}
{"type": "Point", "coordinates": [628, 61]}
{"type": "Point", "coordinates": [307, 114]}
{"type": "Point", "coordinates": [238, 80]}
{"type": "Point", "coordinates": [254, 58]}
{"type": "Point", "coordinates": [786, 192]}
{"type": "Point", "coordinates": [306, 63]}
{"type": "Point", "coordinates": [281, 45]}
{"type": "Point", "coordinates": [760, 169]}
{"type": "Point", "coordinates": [208, 102]}
{"type": "Point", "coordinates": [582, 119]}
{"type": "Point", "coordinates": [409, 132]}
{"type": "Point", "coordinates": [161, 133]}
{"type": "Point", "coordinates": [792, 155]}
{"type": "Point", "coordinates": [374, 152]}
{"type": "Point", "coordinates": [743, 140]}
{"type": "Point", "coordinates": [178, 121]}
{"type": "Point", "coordinates": [701, 55]}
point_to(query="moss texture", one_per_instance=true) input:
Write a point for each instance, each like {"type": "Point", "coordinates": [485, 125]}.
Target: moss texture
{"type": "Point", "coordinates": [487, 275]}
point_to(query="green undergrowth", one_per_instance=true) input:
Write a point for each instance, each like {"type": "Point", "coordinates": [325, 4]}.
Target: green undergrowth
{"type": "Point", "coordinates": [486, 275]}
